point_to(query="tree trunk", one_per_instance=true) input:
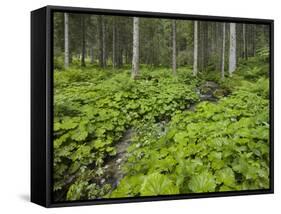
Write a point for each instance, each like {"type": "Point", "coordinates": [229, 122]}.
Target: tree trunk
{"type": "Point", "coordinates": [100, 41]}
{"type": "Point", "coordinates": [118, 48]}
{"type": "Point", "coordinates": [66, 41]}
{"type": "Point", "coordinates": [244, 43]}
{"type": "Point", "coordinates": [223, 51]}
{"type": "Point", "coordinates": [135, 60]}
{"type": "Point", "coordinates": [83, 64]}
{"type": "Point", "coordinates": [205, 46]}
{"type": "Point", "coordinates": [254, 40]}
{"type": "Point", "coordinates": [201, 45]}
{"type": "Point", "coordinates": [174, 57]}
{"type": "Point", "coordinates": [232, 49]}
{"type": "Point", "coordinates": [113, 44]}
{"type": "Point", "coordinates": [195, 52]}
{"type": "Point", "coordinates": [103, 43]}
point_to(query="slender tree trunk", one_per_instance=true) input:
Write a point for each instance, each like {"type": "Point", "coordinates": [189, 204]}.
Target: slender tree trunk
{"type": "Point", "coordinates": [202, 38]}
{"type": "Point", "coordinates": [223, 51]}
{"type": "Point", "coordinates": [195, 52]}
{"type": "Point", "coordinates": [174, 57]}
{"type": "Point", "coordinates": [118, 47]}
{"type": "Point", "coordinates": [201, 45]}
{"type": "Point", "coordinates": [135, 60]}
{"type": "Point", "coordinates": [254, 40]}
{"type": "Point", "coordinates": [100, 41]}
{"type": "Point", "coordinates": [213, 37]}
{"type": "Point", "coordinates": [206, 46]}
{"type": "Point", "coordinates": [93, 43]}
{"type": "Point", "coordinates": [113, 44]}
{"type": "Point", "coordinates": [103, 43]}
{"type": "Point", "coordinates": [244, 42]}
{"type": "Point", "coordinates": [232, 49]}
{"type": "Point", "coordinates": [250, 40]}
{"type": "Point", "coordinates": [66, 41]}
{"type": "Point", "coordinates": [83, 64]}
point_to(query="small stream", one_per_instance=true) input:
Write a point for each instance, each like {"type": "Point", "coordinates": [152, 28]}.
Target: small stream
{"type": "Point", "coordinates": [112, 166]}
{"type": "Point", "coordinates": [112, 170]}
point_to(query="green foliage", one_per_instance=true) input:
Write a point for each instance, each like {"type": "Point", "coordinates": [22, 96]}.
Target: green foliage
{"type": "Point", "coordinates": [226, 176]}
{"type": "Point", "coordinates": [75, 191]}
{"type": "Point", "coordinates": [178, 143]}
{"type": "Point", "coordinates": [221, 146]}
{"type": "Point", "coordinates": [93, 108]}
{"type": "Point", "coordinates": [253, 69]}
{"type": "Point", "coordinates": [203, 182]}
{"type": "Point", "coordinates": [128, 187]}
{"type": "Point", "coordinates": [58, 62]}
{"type": "Point", "coordinates": [158, 184]}
{"type": "Point", "coordinates": [85, 190]}
{"type": "Point", "coordinates": [263, 54]}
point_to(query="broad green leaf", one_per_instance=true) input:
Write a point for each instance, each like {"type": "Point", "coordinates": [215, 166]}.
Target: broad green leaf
{"type": "Point", "coordinates": [225, 176]}
{"type": "Point", "coordinates": [68, 123]}
{"type": "Point", "coordinates": [158, 184]}
{"type": "Point", "coordinates": [80, 134]}
{"type": "Point", "coordinates": [181, 137]}
{"type": "Point", "coordinates": [99, 144]}
{"type": "Point", "coordinates": [203, 182]}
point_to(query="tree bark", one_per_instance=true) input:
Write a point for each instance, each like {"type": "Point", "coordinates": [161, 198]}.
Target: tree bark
{"type": "Point", "coordinates": [118, 47]}
{"type": "Point", "coordinates": [100, 41]}
{"type": "Point", "coordinates": [113, 44]}
{"type": "Point", "coordinates": [205, 46]}
{"type": "Point", "coordinates": [254, 40]}
{"type": "Point", "coordinates": [195, 51]}
{"type": "Point", "coordinates": [218, 47]}
{"type": "Point", "coordinates": [244, 43]}
{"type": "Point", "coordinates": [232, 49]}
{"type": "Point", "coordinates": [174, 57]}
{"type": "Point", "coordinates": [103, 43]}
{"type": "Point", "coordinates": [135, 60]}
{"type": "Point", "coordinates": [223, 51]}
{"type": "Point", "coordinates": [66, 40]}
{"type": "Point", "coordinates": [201, 45]}
{"type": "Point", "coordinates": [83, 64]}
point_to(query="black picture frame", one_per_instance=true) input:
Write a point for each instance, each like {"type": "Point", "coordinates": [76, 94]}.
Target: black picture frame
{"type": "Point", "coordinates": [42, 102]}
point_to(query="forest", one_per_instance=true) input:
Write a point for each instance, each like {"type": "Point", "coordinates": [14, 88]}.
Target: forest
{"type": "Point", "coordinates": [149, 106]}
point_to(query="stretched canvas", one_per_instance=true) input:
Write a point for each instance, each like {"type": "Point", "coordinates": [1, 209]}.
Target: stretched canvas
{"type": "Point", "coordinates": [152, 106]}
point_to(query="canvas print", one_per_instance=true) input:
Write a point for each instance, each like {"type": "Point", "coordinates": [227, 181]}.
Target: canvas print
{"type": "Point", "coordinates": [147, 106]}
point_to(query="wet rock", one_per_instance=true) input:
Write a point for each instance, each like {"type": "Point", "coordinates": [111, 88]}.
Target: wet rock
{"type": "Point", "coordinates": [113, 165]}
{"type": "Point", "coordinates": [118, 161]}
{"type": "Point", "coordinates": [219, 92]}
{"type": "Point", "coordinates": [206, 91]}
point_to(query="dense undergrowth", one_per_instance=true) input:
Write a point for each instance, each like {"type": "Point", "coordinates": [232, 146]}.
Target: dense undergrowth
{"type": "Point", "coordinates": [221, 146]}
{"type": "Point", "coordinates": [92, 110]}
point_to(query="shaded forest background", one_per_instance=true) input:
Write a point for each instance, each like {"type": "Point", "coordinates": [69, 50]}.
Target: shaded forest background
{"type": "Point", "coordinates": [107, 41]}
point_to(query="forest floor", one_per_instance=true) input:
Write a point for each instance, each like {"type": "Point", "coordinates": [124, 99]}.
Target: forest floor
{"type": "Point", "coordinates": [113, 166]}
{"type": "Point", "coordinates": [160, 134]}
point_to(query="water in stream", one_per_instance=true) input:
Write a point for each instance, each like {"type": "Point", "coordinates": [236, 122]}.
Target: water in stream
{"type": "Point", "coordinates": [113, 166]}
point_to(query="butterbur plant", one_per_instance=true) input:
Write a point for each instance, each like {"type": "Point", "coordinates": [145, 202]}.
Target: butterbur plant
{"type": "Point", "coordinates": [202, 137]}
{"type": "Point", "coordinates": [159, 106]}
